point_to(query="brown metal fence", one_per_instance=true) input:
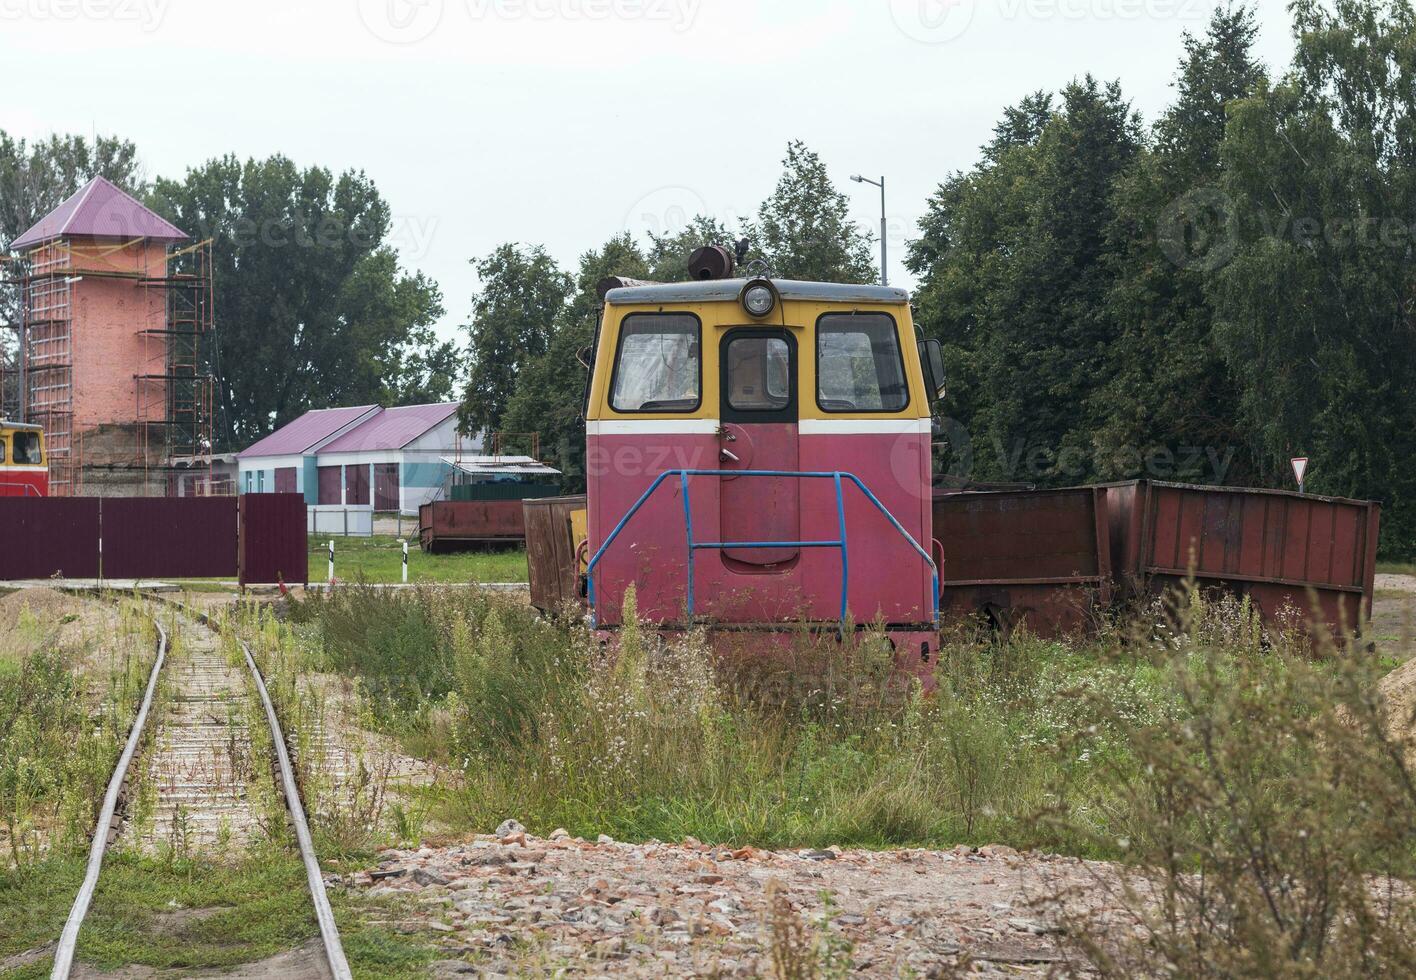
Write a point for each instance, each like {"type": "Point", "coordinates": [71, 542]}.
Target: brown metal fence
{"type": "Point", "coordinates": [273, 545]}
{"type": "Point", "coordinates": [169, 537]}
{"type": "Point", "coordinates": [46, 537]}
{"type": "Point", "coordinates": [256, 537]}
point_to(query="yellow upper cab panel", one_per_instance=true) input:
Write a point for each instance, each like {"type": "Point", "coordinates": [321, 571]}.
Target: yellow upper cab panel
{"type": "Point", "coordinates": [679, 326]}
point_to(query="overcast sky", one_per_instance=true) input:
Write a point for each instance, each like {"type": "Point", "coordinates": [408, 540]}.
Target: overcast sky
{"type": "Point", "coordinates": [561, 122]}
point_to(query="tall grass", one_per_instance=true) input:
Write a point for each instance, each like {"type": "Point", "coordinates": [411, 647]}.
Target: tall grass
{"type": "Point", "coordinates": [1269, 814]}
{"type": "Point", "coordinates": [61, 733]}
{"type": "Point", "coordinates": [1254, 785]}
{"type": "Point", "coordinates": [819, 744]}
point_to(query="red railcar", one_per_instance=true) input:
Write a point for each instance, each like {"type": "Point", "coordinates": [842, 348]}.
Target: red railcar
{"type": "Point", "coordinates": [24, 466]}
{"type": "Point", "coordinates": [1282, 549]}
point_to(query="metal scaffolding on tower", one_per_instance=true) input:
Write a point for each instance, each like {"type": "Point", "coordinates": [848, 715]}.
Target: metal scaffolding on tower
{"type": "Point", "coordinates": [173, 415]}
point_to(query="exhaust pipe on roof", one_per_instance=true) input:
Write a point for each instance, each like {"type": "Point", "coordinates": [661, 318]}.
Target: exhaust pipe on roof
{"type": "Point", "coordinates": [710, 262]}
{"type": "Point", "coordinates": [618, 282]}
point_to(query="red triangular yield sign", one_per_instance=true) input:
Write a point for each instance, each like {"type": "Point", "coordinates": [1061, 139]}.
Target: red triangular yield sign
{"type": "Point", "coordinates": [1300, 466]}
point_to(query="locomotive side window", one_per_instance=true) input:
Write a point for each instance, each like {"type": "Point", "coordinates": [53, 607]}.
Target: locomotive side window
{"type": "Point", "coordinates": [659, 364]}
{"type": "Point", "coordinates": [26, 448]}
{"type": "Point", "coordinates": [859, 367]}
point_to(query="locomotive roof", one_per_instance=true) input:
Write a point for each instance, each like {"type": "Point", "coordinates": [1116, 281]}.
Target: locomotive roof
{"type": "Point", "coordinates": [714, 290]}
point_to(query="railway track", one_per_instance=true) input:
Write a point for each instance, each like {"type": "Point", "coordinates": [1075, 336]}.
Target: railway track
{"type": "Point", "coordinates": [198, 783]}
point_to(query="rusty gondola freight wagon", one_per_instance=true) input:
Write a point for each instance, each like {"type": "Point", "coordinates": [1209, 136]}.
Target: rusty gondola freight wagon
{"type": "Point", "coordinates": [1274, 546]}
{"type": "Point", "coordinates": [482, 503]}
{"type": "Point", "coordinates": [1037, 556]}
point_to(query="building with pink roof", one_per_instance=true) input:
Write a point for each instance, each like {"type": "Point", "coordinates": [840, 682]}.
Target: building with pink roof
{"type": "Point", "coordinates": [363, 457]}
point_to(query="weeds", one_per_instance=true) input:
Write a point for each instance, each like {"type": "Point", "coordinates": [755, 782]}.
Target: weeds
{"type": "Point", "coordinates": [1249, 782]}
{"type": "Point", "coordinates": [800, 950]}
{"type": "Point", "coordinates": [1269, 816]}
{"type": "Point", "coordinates": [58, 740]}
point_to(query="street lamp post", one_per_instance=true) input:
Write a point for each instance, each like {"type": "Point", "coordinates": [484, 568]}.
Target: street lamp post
{"type": "Point", "coordinates": [884, 268]}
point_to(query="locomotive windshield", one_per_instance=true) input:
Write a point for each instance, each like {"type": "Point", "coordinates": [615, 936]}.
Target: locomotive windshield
{"type": "Point", "coordinates": [657, 368]}
{"type": "Point", "coordinates": [858, 364]}
{"type": "Point", "coordinates": [26, 448]}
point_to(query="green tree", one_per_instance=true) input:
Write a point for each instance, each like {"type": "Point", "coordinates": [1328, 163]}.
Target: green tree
{"type": "Point", "coordinates": [1013, 281]}
{"type": "Point", "coordinates": [803, 229]}
{"type": "Point", "coordinates": [1166, 390]}
{"type": "Point", "coordinates": [1313, 314]}
{"type": "Point", "coordinates": [523, 294]}
{"type": "Point", "coordinates": [312, 309]}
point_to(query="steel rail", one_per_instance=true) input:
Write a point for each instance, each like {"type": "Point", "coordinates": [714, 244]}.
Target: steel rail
{"type": "Point", "coordinates": [329, 932]}
{"type": "Point", "coordinates": [324, 914]}
{"type": "Point", "coordinates": [68, 940]}
{"type": "Point", "coordinates": [290, 789]}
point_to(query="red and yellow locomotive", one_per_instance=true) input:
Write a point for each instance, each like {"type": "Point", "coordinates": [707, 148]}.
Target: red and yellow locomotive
{"type": "Point", "coordinates": [24, 468]}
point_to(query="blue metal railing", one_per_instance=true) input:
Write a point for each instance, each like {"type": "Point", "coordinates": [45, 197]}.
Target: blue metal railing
{"type": "Point", "coordinates": [695, 546]}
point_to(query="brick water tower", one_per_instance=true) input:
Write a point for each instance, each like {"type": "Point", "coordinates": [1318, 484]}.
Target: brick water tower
{"type": "Point", "coordinates": [114, 312]}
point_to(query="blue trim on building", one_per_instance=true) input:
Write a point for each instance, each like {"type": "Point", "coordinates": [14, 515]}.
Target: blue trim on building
{"type": "Point", "coordinates": [309, 477]}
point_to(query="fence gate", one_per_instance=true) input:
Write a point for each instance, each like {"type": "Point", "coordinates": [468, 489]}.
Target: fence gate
{"type": "Point", "coordinates": [273, 544]}
{"type": "Point", "coordinates": [168, 537]}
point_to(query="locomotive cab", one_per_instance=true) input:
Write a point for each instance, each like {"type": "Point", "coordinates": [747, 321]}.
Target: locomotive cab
{"type": "Point", "coordinates": [24, 465]}
{"type": "Point", "coordinates": [758, 456]}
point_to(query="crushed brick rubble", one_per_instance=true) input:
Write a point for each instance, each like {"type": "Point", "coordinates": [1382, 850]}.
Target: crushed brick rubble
{"type": "Point", "coordinates": [512, 904]}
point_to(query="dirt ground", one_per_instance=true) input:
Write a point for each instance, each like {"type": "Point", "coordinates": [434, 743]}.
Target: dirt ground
{"type": "Point", "coordinates": [1394, 615]}
{"type": "Point", "coordinates": [519, 905]}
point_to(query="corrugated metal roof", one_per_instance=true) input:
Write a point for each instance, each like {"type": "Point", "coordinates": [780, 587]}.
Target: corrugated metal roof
{"type": "Point", "coordinates": [101, 210]}
{"type": "Point", "coordinates": [496, 465]}
{"type": "Point", "coordinates": [308, 430]}
{"type": "Point", "coordinates": [393, 428]}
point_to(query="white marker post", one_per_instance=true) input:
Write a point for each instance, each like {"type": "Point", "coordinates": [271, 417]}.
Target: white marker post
{"type": "Point", "coordinates": [405, 562]}
{"type": "Point", "coordinates": [331, 561]}
{"type": "Point", "coordinates": [1300, 467]}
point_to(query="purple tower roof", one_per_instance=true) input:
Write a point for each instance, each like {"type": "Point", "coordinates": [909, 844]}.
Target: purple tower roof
{"type": "Point", "coordinates": [100, 210]}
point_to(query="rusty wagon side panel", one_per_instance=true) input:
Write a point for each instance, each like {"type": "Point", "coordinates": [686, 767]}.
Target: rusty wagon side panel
{"type": "Point", "coordinates": [1272, 545]}
{"type": "Point", "coordinates": [1037, 556]}
{"type": "Point", "coordinates": [446, 525]}
{"type": "Point", "coordinates": [554, 570]}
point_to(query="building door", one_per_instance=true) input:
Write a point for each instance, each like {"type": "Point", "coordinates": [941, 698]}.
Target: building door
{"type": "Point", "coordinates": [385, 486]}
{"type": "Point", "coordinates": [356, 485]}
{"type": "Point", "coordinates": [285, 479]}
{"type": "Point", "coordinates": [758, 391]}
{"type": "Point", "coordinates": [331, 485]}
